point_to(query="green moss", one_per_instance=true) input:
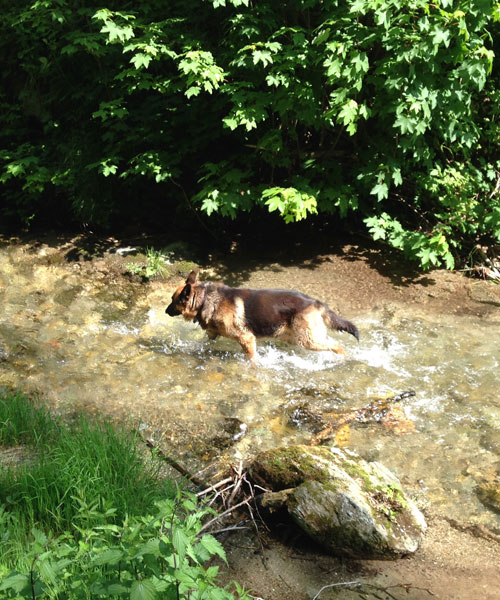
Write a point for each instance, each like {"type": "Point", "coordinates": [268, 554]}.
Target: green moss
{"type": "Point", "coordinates": [489, 494]}
{"type": "Point", "coordinates": [184, 267]}
{"type": "Point", "coordinates": [284, 468]}
{"type": "Point", "coordinates": [395, 494]}
{"type": "Point", "coordinates": [357, 471]}
{"type": "Point", "coordinates": [178, 269]}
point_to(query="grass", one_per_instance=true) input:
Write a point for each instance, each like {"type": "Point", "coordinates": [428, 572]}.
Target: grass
{"type": "Point", "coordinates": [87, 515]}
{"type": "Point", "coordinates": [21, 422]}
{"type": "Point", "coordinates": [155, 264]}
{"type": "Point", "coordinates": [89, 463]}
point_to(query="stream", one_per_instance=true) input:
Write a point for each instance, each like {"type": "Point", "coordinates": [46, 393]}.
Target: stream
{"type": "Point", "coordinates": [87, 338]}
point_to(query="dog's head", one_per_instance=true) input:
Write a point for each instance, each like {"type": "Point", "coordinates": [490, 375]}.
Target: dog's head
{"type": "Point", "coordinates": [186, 299]}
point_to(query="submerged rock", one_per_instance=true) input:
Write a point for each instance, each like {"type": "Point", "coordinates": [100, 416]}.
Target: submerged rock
{"type": "Point", "coordinates": [351, 507]}
{"type": "Point", "coordinates": [489, 494]}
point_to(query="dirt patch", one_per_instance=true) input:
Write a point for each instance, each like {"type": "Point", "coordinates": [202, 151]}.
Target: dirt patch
{"type": "Point", "coordinates": [450, 565]}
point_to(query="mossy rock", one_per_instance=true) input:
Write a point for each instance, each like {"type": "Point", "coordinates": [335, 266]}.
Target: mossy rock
{"type": "Point", "coordinates": [182, 251]}
{"type": "Point", "coordinates": [351, 507]}
{"type": "Point", "coordinates": [489, 494]}
{"type": "Point", "coordinates": [179, 269]}
{"type": "Point", "coordinates": [184, 267]}
{"type": "Point", "coordinates": [283, 468]}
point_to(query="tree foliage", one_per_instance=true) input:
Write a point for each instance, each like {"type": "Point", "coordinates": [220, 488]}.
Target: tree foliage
{"type": "Point", "coordinates": [383, 108]}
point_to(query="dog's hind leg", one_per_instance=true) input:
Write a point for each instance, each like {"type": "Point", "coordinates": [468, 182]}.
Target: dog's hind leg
{"type": "Point", "coordinates": [329, 345]}
{"type": "Point", "coordinates": [310, 332]}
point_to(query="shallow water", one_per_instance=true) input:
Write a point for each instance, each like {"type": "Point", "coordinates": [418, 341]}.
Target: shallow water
{"type": "Point", "coordinates": [87, 339]}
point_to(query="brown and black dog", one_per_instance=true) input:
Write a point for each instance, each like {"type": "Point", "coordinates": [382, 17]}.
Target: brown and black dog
{"type": "Point", "coordinates": [244, 315]}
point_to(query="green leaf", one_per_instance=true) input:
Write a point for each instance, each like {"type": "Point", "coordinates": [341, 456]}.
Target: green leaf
{"type": "Point", "coordinates": [397, 178]}
{"type": "Point", "coordinates": [405, 124]}
{"type": "Point", "coordinates": [143, 590]}
{"type": "Point", "coordinates": [184, 576]}
{"type": "Point", "coordinates": [140, 60]}
{"type": "Point", "coordinates": [116, 589]}
{"type": "Point", "coordinates": [40, 537]}
{"type": "Point", "coordinates": [348, 112]}
{"type": "Point", "coordinates": [111, 556]}
{"type": "Point", "coordinates": [47, 571]}
{"type": "Point", "coordinates": [17, 582]}
{"type": "Point", "coordinates": [263, 56]}
{"type": "Point", "coordinates": [441, 36]}
{"type": "Point", "coordinates": [449, 260]}
{"type": "Point", "coordinates": [276, 203]}
{"type": "Point", "coordinates": [381, 190]}
{"type": "Point", "coordinates": [213, 546]}
{"type": "Point", "coordinates": [180, 541]}
{"type": "Point", "coordinates": [361, 63]}
{"type": "Point", "coordinates": [193, 91]}
{"type": "Point", "coordinates": [151, 546]}
{"type": "Point", "coordinates": [210, 205]}
{"type": "Point", "coordinates": [117, 33]}
{"type": "Point", "coordinates": [359, 6]}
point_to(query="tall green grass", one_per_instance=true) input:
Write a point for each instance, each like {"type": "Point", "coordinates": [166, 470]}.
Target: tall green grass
{"type": "Point", "coordinates": [22, 422]}
{"type": "Point", "coordinates": [88, 463]}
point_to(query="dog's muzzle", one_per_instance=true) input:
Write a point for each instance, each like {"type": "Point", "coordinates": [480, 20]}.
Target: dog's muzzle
{"type": "Point", "coordinates": [172, 311]}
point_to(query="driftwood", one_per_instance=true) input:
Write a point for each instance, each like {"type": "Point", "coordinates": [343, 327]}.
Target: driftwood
{"type": "Point", "coordinates": [486, 260]}
{"type": "Point", "coordinates": [231, 493]}
{"type": "Point", "coordinates": [476, 529]}
{"type": "Point", "coordinates": [173, 463]}
{"type": "Point", "coordinates": [374, 411]}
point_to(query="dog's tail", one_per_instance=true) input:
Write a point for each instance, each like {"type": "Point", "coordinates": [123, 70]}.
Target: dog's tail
{"type": "Point", "coordinates": [333, 321]}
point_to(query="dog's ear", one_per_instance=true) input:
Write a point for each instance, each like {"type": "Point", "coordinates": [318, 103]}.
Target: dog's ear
{"type": "Point", "coordinates": [192, 277]}
{"type": "Point", "coordinates": [186, 292]}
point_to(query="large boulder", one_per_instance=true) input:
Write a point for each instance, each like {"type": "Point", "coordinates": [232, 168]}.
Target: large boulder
{"type": "Point", "coordinates": [351, 507]}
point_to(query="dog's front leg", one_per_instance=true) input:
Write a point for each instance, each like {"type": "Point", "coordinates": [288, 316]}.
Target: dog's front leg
{"type": "Point", "coordinates": [212, 334]}
{"type": "Point", "coordinates": [249, 345]}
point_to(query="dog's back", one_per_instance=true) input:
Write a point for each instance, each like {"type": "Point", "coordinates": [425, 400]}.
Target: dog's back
{"type": "Point", "coordinates": [269, 310]}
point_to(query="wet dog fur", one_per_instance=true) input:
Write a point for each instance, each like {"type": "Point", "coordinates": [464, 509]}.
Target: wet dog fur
{"type": "Point", "coordinates": [245, 315]}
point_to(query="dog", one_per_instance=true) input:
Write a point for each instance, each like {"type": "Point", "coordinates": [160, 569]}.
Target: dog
{"type": "Point", "coordinates": [244, 315]}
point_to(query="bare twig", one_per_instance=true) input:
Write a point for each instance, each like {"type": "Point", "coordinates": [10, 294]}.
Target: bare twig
{"type": "Point", "coordinates": [223, 514]}
{"type": "Point", "coordinates": [235, 528]}
{"type": "Point", "coordinates": [214, 487]}
{"type": "Point", "coordinates": [252, 491]}
{"type": "Point", "coordinates": [257, 534]}
{"type": "Point", "coordinates": [239, 479]}
{"type": "Point", "coordinates": [221, 494]}
{"type": "Point", "coordinates": [330, 585]}
{"type": "Point", "coordinates": [32, 577]}
{"type": "Point", "coordinates": [496, 188]}
{"type": "Point", "coordinates": [195, 212]}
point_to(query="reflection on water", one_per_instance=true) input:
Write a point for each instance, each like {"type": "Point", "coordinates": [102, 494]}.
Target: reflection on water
{"type": "Point", "coordinates": [89, 341]}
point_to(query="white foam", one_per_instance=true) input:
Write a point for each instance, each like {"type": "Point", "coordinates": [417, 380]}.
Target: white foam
{"type": "Point", "coordinates": [385, 352]}
{"type": "Point", "coordinates": [272, 357]}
